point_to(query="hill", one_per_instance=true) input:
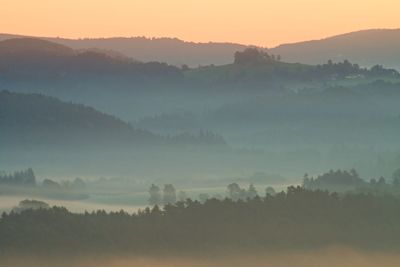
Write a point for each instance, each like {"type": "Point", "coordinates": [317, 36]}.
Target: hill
{"type": "Point", "coordinates": [169, 50]}
{"type": "Point", "coordinates": [368, 48]}
{"type": "Point", "coordinates": [33, 45]}
{"type": "Point", "coordinates": [253, 66]}
{"type": "Point", "coordinates": [32, 59]}
{"type": "Point", "coordinates": [32, 119]}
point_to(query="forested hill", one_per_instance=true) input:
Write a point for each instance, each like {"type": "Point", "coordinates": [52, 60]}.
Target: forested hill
{"type": "Point", "coordinates": [367, 47]}
{"type": "Point", "coordinates": [253, 66]}
{"type": "Point", "coordinates": [25, 46]}
{"type": "Point", "coordinates": [296, 219]}
{"type": "Point", "coordinates": [170, 50]}
{"type": "Point", "coordinates": [32, 119]}
{"type": "Point", "coordinates": [27, 59]}
{"type": "Point", "coordinates": [45, 65]}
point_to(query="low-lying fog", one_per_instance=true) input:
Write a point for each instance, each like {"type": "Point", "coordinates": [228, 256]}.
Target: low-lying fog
{"type": "Point", "coordinates": [7, 203]}
{"type": "Point", "coordinates": [124, 198]}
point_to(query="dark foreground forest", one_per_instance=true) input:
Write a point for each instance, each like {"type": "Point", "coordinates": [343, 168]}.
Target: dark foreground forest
{"type": "Point", "coordinates": [295, 219]}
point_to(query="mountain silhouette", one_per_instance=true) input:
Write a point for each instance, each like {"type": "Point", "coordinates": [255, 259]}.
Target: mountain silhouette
{"type": "Point", "coordinates": [169, 50]}
{"type": "Point", "coordinates": [367, 47]}
{"type": "Point", "coordinates": [37, 60]}
{"type": "Point", "coordinates": [33, 45]}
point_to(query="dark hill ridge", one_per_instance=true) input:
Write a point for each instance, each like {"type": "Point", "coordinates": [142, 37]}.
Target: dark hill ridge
{"type": "Point", "coordinates": [33, 45]}
{"type": "Point", "coordinates": [33, 118]}
{"type": "Point", "coordinates": [21, 45]}
{"type": "Point", "coordinates": [32, 59]}
{"type": "Point", "coordinates": [170, 50]}
{"type": "Point", "coordinates": [253, 65]}
{"type": "Point", "coordinates": [367, 47]}
{"type": "Point", "coordinates": [36, 63]}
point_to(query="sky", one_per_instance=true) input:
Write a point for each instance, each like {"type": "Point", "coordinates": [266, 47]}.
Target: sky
{"type": "Point", "coordinates": [259, 22]}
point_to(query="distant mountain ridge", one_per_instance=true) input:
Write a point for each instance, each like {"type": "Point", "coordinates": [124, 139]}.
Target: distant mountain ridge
{"type": "Point", "coordinates": [28, 45]}
{"type": "Point", "coordinates": [169, 50]}
{"type": "Point", "coordinates": [366, 47]}
{"type": "Point", "coordinates": [33, 59]}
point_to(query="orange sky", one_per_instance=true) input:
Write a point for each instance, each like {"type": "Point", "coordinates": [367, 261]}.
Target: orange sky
{"type": "Point", "coordinates": [260, 22]}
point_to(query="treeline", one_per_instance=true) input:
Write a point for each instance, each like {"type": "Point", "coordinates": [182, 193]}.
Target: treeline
{"type": "Point", "coordinates": [75, 189]}
{"type": "Point", "coordinates": [169, 195]}
{"type": "Point", "coordinates": [202, 138]}
{"type": "Point", "coordinates": [255, 58]}
{"type": "Point", "coordinates": [251, 56]}
{"type": "Point", "coordinates": [297, 218]}
{"type": "Point", "coordinates": [24, 182]}
{"type": "Point", "coordinates": [346, 69]}
{"type": "Point", "coordinates": [350, 181]}
{"type": "Point", "coordinates": [18, 178]}
{"type": "Point", "coordinates": [338, 181]}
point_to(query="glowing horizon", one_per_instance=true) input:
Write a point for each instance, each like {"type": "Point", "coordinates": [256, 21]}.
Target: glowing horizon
{"type": "Point", "coordinates": [252, 22]}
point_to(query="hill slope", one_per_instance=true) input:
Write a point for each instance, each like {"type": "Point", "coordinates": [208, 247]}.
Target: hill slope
{"type": "Point", "coordinates": [27, 119]}
{"type": "Point", "coordinates": [33, 45]}
{"type": "Point", "coordinates": [36, 59]}
{"type": "Point", "coordinates": [169, 50]}
{"type": "Point", "coordinates": [368, 48]}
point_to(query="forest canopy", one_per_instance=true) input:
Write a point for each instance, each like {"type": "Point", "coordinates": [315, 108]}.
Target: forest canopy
{"type": "Point", "coordinates": [297, 218]}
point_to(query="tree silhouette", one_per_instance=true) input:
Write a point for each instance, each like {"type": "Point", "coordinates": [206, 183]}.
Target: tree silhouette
{"type": "Point", "coordinates": [169, 194]}
{"type": "Point", "coordinates": [252, 192]}
{"type": "Point", "coordinates": [252, 56]}
{"type": "Point", "coordinates": [155, 195]}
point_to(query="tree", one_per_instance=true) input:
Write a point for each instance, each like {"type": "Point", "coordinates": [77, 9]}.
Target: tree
{"type": "Point", "coordinates": [50, 184]}
{"type": "Point", "coordinates": [30, 178]}
{"type": "Point", "coordinates": [79, 184]}
{"type": "Point", "coordinates": [182, 196]}
{"type": "Point", "coordinates": [155, 195]}
{"type": "Point", "coordinates": [396, 178]}
{"type": "Point", "coordinates": [185, 67]}
{"type": "Point", "coordinates": [30, 205]}
{"type": "Point", "coordinates": [19, 178]}
{"type": "Point", "coordinates": [169, 194]}
{"type": "Point", "coordinates": [252, 56]}
{"type": "Point", "coordinates": [203, 197]}
{"type": "Point", "coordinates": [381, 181]}
{"type": "Point", "coordinates": [235, 192]}
{"type": "Point", "coordinates": [270, 191]}
{"type": "Point", "coordinates": [252, 192]}
{"type": "Point", "coordinates": [306, 181]}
